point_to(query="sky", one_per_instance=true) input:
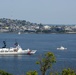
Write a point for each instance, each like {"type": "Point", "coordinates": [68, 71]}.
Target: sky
{"type": "Point", "coordinates": [40, 11]}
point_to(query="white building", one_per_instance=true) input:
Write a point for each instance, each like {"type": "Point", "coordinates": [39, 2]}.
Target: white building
{"type": "Point", "coordinates": [47, 27]}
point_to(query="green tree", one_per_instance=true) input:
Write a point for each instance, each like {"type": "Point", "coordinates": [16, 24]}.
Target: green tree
{"type": "Point", "coordinates": [54, 73]}
{"type": "Point", "coordinates": [32, 73]}
{"type": "Point", "coordinates": [68, 72]}
{"type": "Point", "coordinates": [46, 62]}
{"type": "Point", "coordinates": [4, 73]}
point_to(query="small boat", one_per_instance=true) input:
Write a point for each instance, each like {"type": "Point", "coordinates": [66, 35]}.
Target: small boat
{"type": "Point", "coordinates": [15, 51]}
{"type": "Point", "coordinates": [61, 48]}
{"type": "Point", "coordinates": [19, 33]}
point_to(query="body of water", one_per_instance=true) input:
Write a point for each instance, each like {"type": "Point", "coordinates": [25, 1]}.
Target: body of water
{"type": "Point", "coordinates": [19, 65]}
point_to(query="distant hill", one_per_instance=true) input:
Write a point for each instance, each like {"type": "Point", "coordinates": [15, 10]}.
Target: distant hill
{"type": "Point", "coordinates": [6, 21]}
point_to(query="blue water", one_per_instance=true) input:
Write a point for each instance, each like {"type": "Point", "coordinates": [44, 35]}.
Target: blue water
{"type": "Point", "coordinates": [19, 65]}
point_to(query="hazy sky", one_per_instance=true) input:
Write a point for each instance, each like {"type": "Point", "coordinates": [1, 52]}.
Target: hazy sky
{"type": "Point", "coordinates": [40, 11]}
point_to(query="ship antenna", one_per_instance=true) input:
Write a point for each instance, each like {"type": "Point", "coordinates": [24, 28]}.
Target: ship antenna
{"type": "Point", "coordinates": [16, 43]}
{"type": "Point", "coordinates": [4, 42]}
